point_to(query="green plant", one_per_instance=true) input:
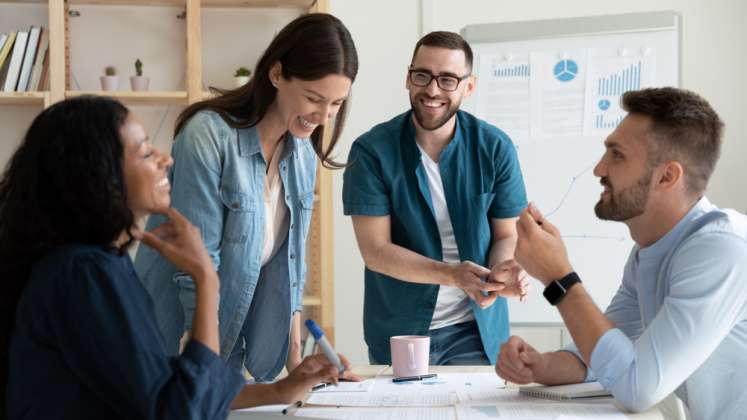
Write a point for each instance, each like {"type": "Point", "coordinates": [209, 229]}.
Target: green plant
{"type": "Point", "coordinates": [110, 71]}
{"type": "Point", "coordinates": [242, 71]}
{"type": "Point", "coordinates": [138, 67]}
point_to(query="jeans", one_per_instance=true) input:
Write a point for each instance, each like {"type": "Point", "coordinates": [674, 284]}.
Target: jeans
{"type": "Point", "coordinates": [458, 344]}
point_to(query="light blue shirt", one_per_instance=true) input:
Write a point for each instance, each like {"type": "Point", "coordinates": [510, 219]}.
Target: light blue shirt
{"type": "Point", "coordinates": [218, 182]}
{"type": "Point", "coordinates": [681, 317]}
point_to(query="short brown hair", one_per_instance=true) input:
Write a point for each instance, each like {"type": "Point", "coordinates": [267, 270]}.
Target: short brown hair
{"type": "Point", "coordinates": [448, 40]}
{"type": "Point", "coordinates": [686, 129]}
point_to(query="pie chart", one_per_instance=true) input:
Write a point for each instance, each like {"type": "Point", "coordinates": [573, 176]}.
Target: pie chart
{"type": "Point", "coordinates": [565, 70]}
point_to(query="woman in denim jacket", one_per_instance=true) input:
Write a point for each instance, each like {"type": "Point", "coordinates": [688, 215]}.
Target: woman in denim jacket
{"type": "Point", "coordinates": [244, 174]}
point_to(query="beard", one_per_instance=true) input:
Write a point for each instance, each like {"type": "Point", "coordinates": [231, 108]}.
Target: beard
{"type": "Point", "coordinates": [627, 203]}
{"type": "Point", "coordinates": [430, 123]}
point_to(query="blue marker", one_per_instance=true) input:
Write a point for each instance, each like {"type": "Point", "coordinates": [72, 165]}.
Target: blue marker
{"type": "Point", "coordinates": [324, 344]}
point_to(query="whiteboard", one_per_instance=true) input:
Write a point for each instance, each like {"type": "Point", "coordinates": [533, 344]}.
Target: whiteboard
{"type": "Point", "coordinates": [554, 86]}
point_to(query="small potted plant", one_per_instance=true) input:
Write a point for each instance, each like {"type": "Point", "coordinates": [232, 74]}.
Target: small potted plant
{"type": "Point", "coordinates": [241, 77]}
{"type": "Point", "coordinates": [139, 82]}
{"type": "Point", "coordinates": [110, 80]}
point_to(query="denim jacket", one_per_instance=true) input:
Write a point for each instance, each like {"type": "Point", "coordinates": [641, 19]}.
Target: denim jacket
{"type": "Point", "coordinates": [218, 183]}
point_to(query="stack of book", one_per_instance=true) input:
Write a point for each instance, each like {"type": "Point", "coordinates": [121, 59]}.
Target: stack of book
{"type": "Point", "coordinates": [24, 60]}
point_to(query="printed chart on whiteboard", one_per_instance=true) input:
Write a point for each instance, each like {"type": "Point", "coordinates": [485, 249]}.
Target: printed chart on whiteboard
{"type": "Point", "coordinates": [558, 99]}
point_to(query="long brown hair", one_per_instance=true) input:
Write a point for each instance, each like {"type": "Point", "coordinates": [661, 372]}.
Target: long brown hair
{"type": "Point", "coordinates": [309, 48]}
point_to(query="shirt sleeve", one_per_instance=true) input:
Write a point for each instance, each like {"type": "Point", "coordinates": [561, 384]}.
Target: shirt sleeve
{"type": "Point", "coordinates": [110, 341]}
{"type": "Point", "coordinates": [510, 194]}
{"type": "Point", "coordinates": [706, 299]}
{"type": "Point", "coordinates": [364, 191]}
{"type": "Point", "coordinates": [195, 193]}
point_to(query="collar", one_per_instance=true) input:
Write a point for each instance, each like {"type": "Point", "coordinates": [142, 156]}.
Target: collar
{"type": "Point", "coordinates": [662, 246]}
{"type": "Point", "coordinates": [248, 139]}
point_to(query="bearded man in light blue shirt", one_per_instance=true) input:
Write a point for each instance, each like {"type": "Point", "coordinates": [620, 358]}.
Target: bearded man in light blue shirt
{"type": "Point", "coordinates": [678, 322]}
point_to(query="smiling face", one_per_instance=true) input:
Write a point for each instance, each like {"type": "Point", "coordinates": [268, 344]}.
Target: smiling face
{"type": "Point", "coordinates": [624, 170]}
{"type": "Point", "coordinates": [303, 105]}
{"type": "Point", "coordinates": [432, 106]}
{"type": "Point", "coordinates": [145, 170]}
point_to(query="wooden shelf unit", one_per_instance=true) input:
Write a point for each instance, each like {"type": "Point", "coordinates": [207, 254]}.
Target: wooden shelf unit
{"type": "Point", "coordinates": [319, 300]}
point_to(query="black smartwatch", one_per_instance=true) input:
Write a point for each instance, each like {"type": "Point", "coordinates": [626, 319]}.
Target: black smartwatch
{"type": "Point", "coordinates": [557, 289]}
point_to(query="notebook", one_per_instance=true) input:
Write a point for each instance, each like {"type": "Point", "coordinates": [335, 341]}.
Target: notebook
{"type": "Point", "coordinates": [566, 392]}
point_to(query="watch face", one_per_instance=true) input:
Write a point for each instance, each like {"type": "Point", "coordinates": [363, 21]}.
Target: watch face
{"type": "Point", "coordinates": [553, 292]}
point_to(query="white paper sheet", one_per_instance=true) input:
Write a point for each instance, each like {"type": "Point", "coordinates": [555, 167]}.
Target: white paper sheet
{"type": "Point", "coordinates": [439, 391]}
{"type": "Point", "coordinates": [363, 386]}
{"type": "Point", "coordinates": [599, 410]}
{"type": "Point", "coordinates": [502, 95]}
{"type": "Point", "coordinates": [612, 72]}
{"type": "Point", "coordinates": [412, 413]}
{"type": "Point", "coordinates": [557, 83]}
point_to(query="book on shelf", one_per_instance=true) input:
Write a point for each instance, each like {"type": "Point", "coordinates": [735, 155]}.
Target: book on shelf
{"type": "Point", "coordinates": [3, 38]}
{"type": "Point", "coordinates": [28, 59]}
{"type": "Point", "coordinates": [4, 57]}
{"type": "Point", "coordinates": [39, 61]}
{"type": "Point", "coordinates": [16, 59]}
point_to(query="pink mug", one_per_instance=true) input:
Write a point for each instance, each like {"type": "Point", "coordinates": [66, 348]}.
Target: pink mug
{"type": "Point", "coordinates": [410, 354]}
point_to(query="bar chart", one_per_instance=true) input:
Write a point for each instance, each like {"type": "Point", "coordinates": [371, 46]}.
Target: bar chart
{"type": "Point", "coordinates": [620, 82]}
{"type": "Point", "coordinates": [521, 70]}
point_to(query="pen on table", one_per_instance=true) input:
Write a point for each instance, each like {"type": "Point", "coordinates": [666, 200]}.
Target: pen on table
{"type": "Point", "coordinates": [292, 408]}
{"type": "Point", "coordinates": [324, 344]}
{"type": "Point", "coordinates": [319, 386]}
{"type": "Point", "coordinates": [414, 378]}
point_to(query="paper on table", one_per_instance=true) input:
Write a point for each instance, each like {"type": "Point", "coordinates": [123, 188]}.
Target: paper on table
{"type": "Point", "coordinates": [410, 413]}
{"type": "Point", "coordinates": [347, 387]}
{"type": "Point", "coordinates": [605, 411]}
{"type": "Point", "coordinates": [435, 392]}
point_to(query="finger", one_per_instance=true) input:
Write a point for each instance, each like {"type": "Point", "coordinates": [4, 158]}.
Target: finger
{"type": "Point", "coordinates": [164, 230]}
{"type": "Point", "coordinates": [490, 286]}
{"type": "Point", "coordinates": [509, 372]}
{"type": "Point", "coordinates": [536, 214]}
{"type": "Point", "coordinates": [528, 224]}
{"type": "Point", "coordinates": [477, 270]}
{"type": "Point", "coordinates": [506, 265]}
{"type": "Point", "coordinates": [489, 300]}
{"type": "Point", "coordinates": [155, 242]}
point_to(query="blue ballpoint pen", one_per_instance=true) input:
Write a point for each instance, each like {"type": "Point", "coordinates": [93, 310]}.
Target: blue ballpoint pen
{"type": "Point", "coordinates": [324, 344]}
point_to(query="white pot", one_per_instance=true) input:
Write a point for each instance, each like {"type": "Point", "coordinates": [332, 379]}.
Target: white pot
{"type": "Point", "coordinates": [240, 81]}
{"type": "Point", "coordinates": [139, 83]}
{"type": "Point", "coordinates": [109, 83]}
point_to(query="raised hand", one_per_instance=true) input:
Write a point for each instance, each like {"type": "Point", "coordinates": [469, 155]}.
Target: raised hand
{"type": "Point", "coordinates": [181, 243]}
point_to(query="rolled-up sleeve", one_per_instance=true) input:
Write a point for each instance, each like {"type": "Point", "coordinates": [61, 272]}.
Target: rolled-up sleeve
{"type": "Point", "coordinates": [706, 298]}
{"type": "Point", "coordinates": [364, 192]}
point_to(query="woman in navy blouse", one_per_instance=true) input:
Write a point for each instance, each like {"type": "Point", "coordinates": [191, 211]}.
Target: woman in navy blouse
{"type": "Point", "coordinates": [84, 342]}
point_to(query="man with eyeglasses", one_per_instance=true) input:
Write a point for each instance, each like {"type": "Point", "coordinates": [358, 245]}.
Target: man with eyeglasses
{"type": "Point", "coordinates": [434, 194]}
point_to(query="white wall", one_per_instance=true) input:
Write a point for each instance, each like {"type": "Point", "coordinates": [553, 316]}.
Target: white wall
{"type": "Point", "coordinates": [385, 32]}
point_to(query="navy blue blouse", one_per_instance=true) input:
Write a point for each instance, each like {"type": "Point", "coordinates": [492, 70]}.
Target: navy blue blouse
{"type": "Point", "coordinates": [86, 345]}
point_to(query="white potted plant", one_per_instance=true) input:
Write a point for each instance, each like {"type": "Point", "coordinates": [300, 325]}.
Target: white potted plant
{"type": "Point", "coordinates": [241, 77]}
{"type": "Point", "coordinates": [110, 80]}
{"type": "Point", "coordinates": [139, 82]}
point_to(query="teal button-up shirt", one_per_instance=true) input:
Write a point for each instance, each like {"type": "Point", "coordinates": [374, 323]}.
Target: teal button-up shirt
{"type": "Point", "coordinates": [481, 179]}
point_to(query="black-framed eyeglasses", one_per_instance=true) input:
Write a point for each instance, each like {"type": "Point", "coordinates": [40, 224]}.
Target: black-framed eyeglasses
{"type": "Point", "coordinates": [423, 78]}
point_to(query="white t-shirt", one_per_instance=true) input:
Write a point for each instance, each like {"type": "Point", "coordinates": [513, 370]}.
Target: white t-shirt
{"type": "Point", "coordinates": [277, 218]}
{"type": "Point", "coordinates": [452, 305]}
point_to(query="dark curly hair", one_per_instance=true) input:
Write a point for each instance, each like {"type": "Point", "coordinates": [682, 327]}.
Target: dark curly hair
{"type": "Point", "coordinates": [64, 184]}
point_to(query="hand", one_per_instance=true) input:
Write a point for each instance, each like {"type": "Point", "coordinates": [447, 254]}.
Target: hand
{"type": "Point", "coordinates": [312, 370]}
{"type": "Point", "coordinates": [181, 243]}
{"type": "Point", "coordinates": [539, 247]}
{"type": "Point", "coordinates": [520, 363]}
{"type": "Point", "coordinates": [514, 279]}
{"type": "Point", "coordinates": [468, 277]}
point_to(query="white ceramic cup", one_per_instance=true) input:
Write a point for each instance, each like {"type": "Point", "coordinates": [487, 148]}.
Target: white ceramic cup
{"type": "Point", "coordinates": [410, 354]}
